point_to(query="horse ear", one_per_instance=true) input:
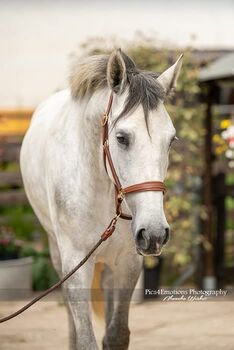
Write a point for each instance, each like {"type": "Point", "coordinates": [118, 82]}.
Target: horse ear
{"type": "Point", "coordinates": [116, 72]}
{"type": "Point", "coordinates": [168, 78]}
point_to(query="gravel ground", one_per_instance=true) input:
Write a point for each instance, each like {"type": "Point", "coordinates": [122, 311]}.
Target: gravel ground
{"type": "Point", "coordinates": [154, 325]}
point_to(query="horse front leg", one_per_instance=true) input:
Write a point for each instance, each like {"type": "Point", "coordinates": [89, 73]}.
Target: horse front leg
{"type": "Point", "coordinates": [78, 293]}
{"type": "Point", "coordinates": [56, 260]}
{"type": "Point", "coordinates": [125, 276]}
{"type": "Point", "coordinates": [71, 327]}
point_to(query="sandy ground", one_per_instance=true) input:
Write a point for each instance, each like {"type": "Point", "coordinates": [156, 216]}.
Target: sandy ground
{"type": "Point", "coordinates": [154, 325]}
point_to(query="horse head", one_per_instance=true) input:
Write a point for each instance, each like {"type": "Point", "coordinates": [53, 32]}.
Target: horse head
{"type": "Point", "coordinates": [140, 136]}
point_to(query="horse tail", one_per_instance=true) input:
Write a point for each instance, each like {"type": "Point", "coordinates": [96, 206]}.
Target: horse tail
{"type": "Point", "coordinates": [97, 295]}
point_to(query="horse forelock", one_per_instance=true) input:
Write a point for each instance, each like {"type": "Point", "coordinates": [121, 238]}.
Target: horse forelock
{"type": "Point", "coordinates": [90, 75]}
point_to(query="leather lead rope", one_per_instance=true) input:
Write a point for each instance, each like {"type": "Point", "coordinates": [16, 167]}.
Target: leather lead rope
{"type": "Point", "coordinates": [120, 194]}
{"type": "Point", "coordinates": [106, 234]}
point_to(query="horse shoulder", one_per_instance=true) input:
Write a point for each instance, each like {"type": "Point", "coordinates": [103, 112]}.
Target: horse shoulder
{"type": "Point", "coordinates": [35, 150]}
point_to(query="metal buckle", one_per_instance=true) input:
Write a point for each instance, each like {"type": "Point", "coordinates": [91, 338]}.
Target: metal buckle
{"type": "Point", "coordinates": [106, 144]}
{"type": "Point", "coordinates": [120, 195]}
{"type": "Point", "coordinates": [104, 119]}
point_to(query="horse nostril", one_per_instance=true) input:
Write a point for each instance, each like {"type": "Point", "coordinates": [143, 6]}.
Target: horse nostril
{"type": "Point", "coordinates": [167, 235]}
{"type": "Point", "coordinates": [142, 240]}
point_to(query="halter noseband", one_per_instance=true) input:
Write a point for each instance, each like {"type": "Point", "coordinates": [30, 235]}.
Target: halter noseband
{"type": "Point", "coordinates": [120, 192]}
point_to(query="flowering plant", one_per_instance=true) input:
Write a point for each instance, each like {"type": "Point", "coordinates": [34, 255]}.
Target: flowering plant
{"type": "Point", "coordinates": [9, 247]}
{"type": "Point", "coordinates": [224, 142]}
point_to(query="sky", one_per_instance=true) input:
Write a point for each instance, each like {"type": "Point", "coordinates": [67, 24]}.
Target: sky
{"type": "Point", "coordinates": [38, 36]}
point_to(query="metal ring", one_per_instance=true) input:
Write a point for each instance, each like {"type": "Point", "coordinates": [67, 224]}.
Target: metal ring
{"type": "Point", "coordinates": [104, 119]}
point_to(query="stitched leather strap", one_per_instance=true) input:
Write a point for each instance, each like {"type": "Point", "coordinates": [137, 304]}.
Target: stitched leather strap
{"type": "Point", "coordinates": [119, 191]}
{"type": "Point", "coordinates": [145, 186]}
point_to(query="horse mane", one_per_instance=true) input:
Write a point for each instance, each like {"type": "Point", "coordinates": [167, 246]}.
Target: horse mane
{"type": "Point", "coordinates": [90, 75]}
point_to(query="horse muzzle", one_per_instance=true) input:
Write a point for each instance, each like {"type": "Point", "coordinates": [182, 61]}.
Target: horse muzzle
{"type": "Point", "coordinates": [150, 242]}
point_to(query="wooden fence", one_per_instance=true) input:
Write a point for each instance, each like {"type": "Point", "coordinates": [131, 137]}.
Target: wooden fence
{"type": "Point", "coordinates": [13, 125]}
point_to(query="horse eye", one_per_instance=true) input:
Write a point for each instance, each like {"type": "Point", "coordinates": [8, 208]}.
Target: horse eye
{"type": "Point", "coordinates": [123, 139]}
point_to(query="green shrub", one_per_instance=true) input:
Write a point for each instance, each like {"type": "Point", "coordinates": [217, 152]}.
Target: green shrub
{"type": "Point", "coordinates": [44, 275]}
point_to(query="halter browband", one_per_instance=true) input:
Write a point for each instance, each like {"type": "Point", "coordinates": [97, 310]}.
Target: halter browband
{"type": "Point", "coordinates": [120, 192]}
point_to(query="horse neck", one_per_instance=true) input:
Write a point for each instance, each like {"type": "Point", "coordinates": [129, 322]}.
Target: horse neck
{"type": "Point", "coordinates": [89, 132]}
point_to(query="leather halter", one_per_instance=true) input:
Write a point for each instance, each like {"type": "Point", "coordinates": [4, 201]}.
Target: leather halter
{"type": "Point", "coordinates": [120, 192]}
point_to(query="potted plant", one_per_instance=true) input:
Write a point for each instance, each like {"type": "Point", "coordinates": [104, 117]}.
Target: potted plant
{"type": "Point", "coordinates": [15, 270]}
